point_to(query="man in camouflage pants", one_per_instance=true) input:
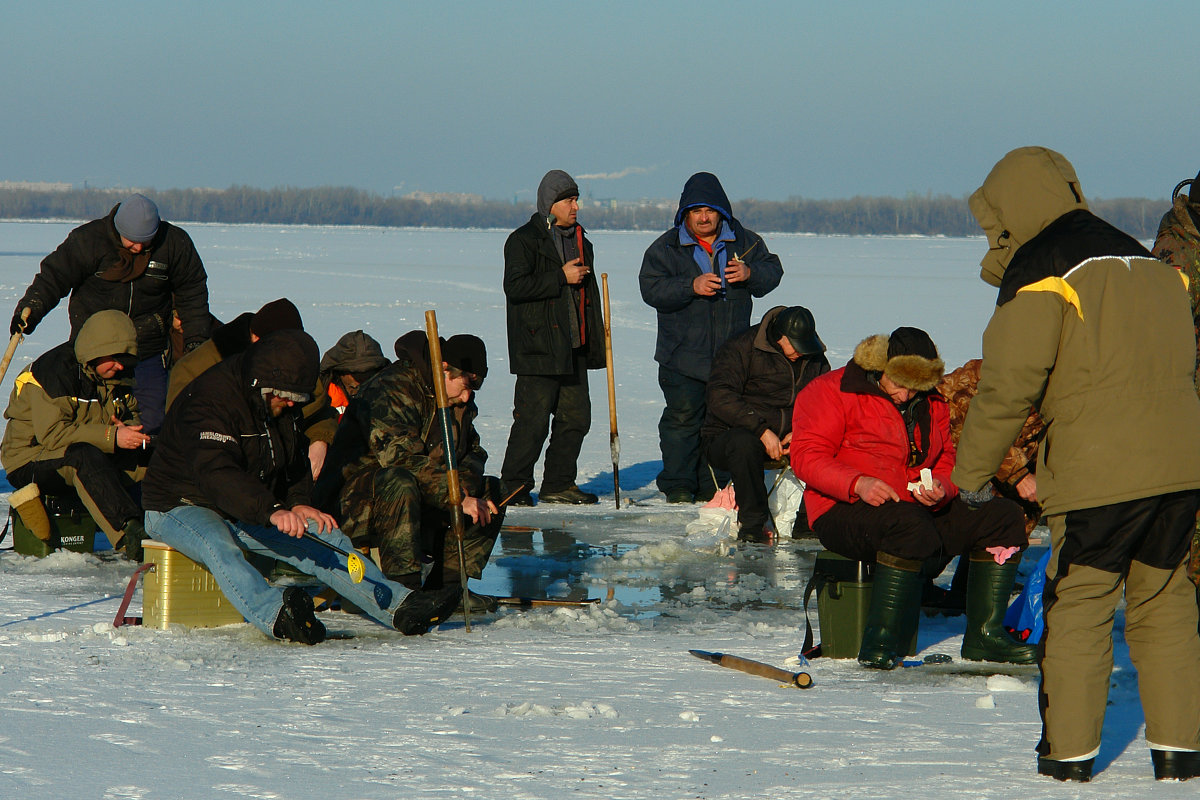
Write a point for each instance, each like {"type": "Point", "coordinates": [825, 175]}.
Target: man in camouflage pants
{"type": "Point", "coordinates": [386, 474]}
{"type": "Point", "coordinates": [1178, 244]}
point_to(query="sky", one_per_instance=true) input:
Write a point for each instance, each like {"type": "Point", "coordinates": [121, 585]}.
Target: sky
{"type": "Point", "coordinates": [784, 99]}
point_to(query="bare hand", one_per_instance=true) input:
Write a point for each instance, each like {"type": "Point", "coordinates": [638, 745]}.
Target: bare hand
{"type": "Point", "coordinates": [1027, 488]}
{"type": "Point", "coordinates": [737, 271]}
{"type": "Point", "coordinates": [930, 497]}
{"type": "Point", "coordinates": [316, 457]}
{"type": "Point", "coordinates": [129, 437]}
{"type": "Point", "coordinates": [873, 491]}
{"type": "Point", "coordinates": [289, 522]}
{"type": "Point", "coordinates": [480, 511]}
{"type": "Point", "coordinates": [324, 521]}
{"type": "Point", "coordinates": [575, 271]}
{"type": "Point", "coordinates": [706, 284]}
{"type": "Point", "coordinates": [772, 444]}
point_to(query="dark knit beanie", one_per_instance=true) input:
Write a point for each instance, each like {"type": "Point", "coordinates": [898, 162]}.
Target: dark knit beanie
{"type": "Point", "coordinates": [911, 342]}
{"type": "Point", "coordinates": [467, 353]}
{"type": "Point", "coordinates": [137, 218]}
{"type": "Point", "coordinates": [277, 315]}
{"type": "Point", "coordinates": [913, 360]}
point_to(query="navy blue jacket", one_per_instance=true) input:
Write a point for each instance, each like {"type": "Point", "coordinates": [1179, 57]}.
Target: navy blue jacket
{"type": "Point", "coordinates": [692, 328]}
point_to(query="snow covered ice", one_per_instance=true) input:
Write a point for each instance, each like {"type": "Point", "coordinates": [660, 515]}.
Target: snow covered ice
{"type": "Point", "coordinates": [600, 701]}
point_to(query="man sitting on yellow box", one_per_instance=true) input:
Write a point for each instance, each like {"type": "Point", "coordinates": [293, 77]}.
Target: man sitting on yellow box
{"type": "Point", "coordinates": [231, 474]}
{"type": "Point", "coordinates": [73, 427]}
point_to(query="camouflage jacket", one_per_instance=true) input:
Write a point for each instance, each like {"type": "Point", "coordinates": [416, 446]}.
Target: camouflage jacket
{"type": "Point", "coordinates": [393, 422]}
{"type": "Point", "coordinates": [958, 387]}
{"type": "Point", "coordinates": [1178, 244]}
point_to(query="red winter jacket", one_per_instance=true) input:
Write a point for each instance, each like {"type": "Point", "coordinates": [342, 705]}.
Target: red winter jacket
{"type": "Point", "coordinates": [844, 426]}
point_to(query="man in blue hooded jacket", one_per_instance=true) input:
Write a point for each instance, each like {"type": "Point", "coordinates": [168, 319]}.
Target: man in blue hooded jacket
{"type": "Point", "coordinates": [701, 277]}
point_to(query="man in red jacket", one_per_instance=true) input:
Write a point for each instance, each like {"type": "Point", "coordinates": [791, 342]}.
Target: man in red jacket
{"type": "Point", "coordinates": [872, 443]}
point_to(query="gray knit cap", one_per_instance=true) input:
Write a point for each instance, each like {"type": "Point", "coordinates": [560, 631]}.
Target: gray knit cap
{"type": "Point", "coordinates": [137, 218]}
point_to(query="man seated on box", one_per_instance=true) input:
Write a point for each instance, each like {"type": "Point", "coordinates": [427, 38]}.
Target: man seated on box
{"type": "Point", "coordinates": [73, 427]}
{"type": "Point", "coordinates": [755, 378]}
{"type": "Point", "coordinates": [872, 442]}
{"type": "Point", "coordinates": [386, 475]}
{"type": "Point", "coordinates": [231, 474]}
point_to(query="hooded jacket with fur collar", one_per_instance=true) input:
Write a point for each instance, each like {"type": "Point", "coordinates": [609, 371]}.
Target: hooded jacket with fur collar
{"type": "Point", "coordinates": [844, 426]}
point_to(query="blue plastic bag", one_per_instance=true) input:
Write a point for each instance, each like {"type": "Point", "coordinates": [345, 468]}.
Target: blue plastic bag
{"type": "Point", "coordinates": [1024, 616]}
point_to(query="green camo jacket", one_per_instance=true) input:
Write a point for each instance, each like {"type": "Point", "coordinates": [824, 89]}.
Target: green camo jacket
{"type": "Point", "coordinates": [397, 412]}
{"type": "Point", "coordinates": [1178, 244]}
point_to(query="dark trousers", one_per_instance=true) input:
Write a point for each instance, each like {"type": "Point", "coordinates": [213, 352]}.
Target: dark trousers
{"type": "Point", "coordinates": [536, 399]}
{"type": "Point", "coordinates": [383, 508]}
{"type": "Point", "coordinates": [741, 453]}
{"type": "Point", "coordinates": [684, 464]}
{"type": "Point", "coordinates": [98, 478]}
{"type": "Point", "coordinates": [150, 388]}
{"type": "Point", "coordinates": [912, 531]}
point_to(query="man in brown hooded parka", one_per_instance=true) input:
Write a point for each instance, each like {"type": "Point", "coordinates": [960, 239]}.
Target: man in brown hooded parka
{"type": "Point", "coordinates": [1097, 335]}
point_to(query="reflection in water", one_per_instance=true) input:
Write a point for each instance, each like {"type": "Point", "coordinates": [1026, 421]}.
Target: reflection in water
{"type": "Point", "coordinates": [552, 563]}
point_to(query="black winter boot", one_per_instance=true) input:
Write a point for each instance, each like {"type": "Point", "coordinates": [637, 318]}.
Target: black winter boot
{"type": "Point", "coordinates": [425, 608]}
{"type": "Point", "coordinates": [1078, 771]}
{"type": "Point", "coordinates": [1175, 765]}
{"type": "Point", "coordinates": [895, 611]}
{"type": "Point", "coordinates": [132, 536]}
{"type": "Point", "coordinates": [989, 587]}
{"type": "Point", "coordinates": [296, 621]}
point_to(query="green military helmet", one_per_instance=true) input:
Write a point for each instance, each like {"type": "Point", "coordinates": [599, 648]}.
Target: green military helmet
{"type": "Point", "coordinates": [798, 325]}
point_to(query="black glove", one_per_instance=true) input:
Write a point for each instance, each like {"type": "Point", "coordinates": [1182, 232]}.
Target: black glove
{"type": "Point", "coordinates": [977, 499]}
{"type": "Point", "coordinates": [17, 326]}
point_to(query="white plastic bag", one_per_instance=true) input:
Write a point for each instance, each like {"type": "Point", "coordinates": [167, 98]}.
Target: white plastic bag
{"type": "Point", "coordinates": [784, 502]}
{"type": "Point", "coordinates": [716, 522]}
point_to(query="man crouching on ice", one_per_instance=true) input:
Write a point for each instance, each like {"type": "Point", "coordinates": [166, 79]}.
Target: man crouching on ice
{"type": "Point", "coordinates": [231, 474]}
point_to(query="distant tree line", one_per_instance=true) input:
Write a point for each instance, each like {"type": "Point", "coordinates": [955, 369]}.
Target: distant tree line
{"type": "Point", "coordinates": [915, 214]}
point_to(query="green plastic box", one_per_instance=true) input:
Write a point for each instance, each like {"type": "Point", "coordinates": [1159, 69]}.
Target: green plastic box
{"type": "Point", "coordinates": [71, 528]}
{"type": "Point", "coordinates": [843, 601]}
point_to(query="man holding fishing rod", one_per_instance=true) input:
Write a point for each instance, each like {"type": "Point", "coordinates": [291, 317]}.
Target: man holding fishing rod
{"type": "Point", "coordinates": [230, 474]}
{"type": "Point", "coordinates": [387, 476]}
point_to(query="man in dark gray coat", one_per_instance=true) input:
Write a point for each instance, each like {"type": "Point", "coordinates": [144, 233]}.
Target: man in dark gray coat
{"type": "Point", "coordinates": [555, 335]}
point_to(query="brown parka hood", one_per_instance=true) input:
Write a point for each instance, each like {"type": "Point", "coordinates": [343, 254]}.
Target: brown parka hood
{"type": "Point", "coordinates": [106, 333]}
{"type": "Point", "coordinates": [1027, 190]}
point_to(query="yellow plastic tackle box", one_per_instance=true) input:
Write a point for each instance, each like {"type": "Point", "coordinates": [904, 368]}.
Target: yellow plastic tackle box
{"type": "Point", "coordinates": [178, 590]}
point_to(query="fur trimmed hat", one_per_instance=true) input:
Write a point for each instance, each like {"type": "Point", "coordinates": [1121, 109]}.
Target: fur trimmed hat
{"type": "Point", "coordinates": [908, 357]}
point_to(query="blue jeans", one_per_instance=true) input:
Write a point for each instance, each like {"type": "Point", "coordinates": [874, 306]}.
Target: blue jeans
{"type": "Point", "coordinates": [207, 538]}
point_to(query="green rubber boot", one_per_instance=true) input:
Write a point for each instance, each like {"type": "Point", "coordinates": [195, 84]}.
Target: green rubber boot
{"type": "Point", "coordinates": [895, 611]}
{"type": "Point", "coordinates": [989, 587]}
